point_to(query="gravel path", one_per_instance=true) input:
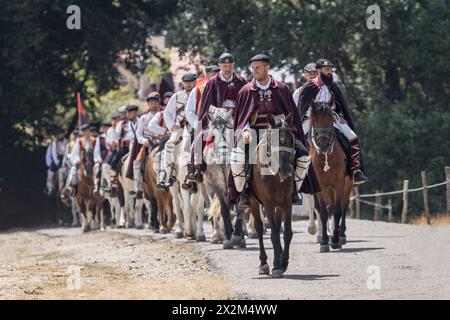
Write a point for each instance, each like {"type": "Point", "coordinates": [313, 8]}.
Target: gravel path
{"type": "Point", "coordinates": [412, 263]}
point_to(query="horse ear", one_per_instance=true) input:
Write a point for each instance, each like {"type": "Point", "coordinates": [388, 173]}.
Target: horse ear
{"type": "Point", "coordinates": [270, 119]}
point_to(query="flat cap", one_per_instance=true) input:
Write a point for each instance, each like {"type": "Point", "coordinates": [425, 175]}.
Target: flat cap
{"type": "Point", "coordinates": [168, 94]}
{"type": "Point", "coordinates": [93, 129]}
{"type": "Point", "coordinates": [153, 96]}
{"type": "Point", "coordinates": [226, 57]}
{"type": "Point", "coordinates": [122, 109]}
{"type": "Point", "coordinates": [115, 116]}
{"type": "Point", "coordinates": [323, 63]}
{"type": "Point", "coordinates": [260, 57]}
{"type": "Point", "coordinates": [310, 67]}
{"type": "Point", "coordinates": [106, 123]}
{"type": "Point", "coordinates": [212, 68]}
{"type": "Point", "coordinates": [85, 127]}
{"type": "Point", "coordinates": [189, 77]}
{"type": "Point", "coordinates": [132, 107]}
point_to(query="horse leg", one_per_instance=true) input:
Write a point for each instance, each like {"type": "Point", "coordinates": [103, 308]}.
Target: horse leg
{"type": "Point", "coordinates": [138, 214]}
{"type": "Point", "coordinates": [259, 227]}
{"type": "Point", "coordinates": [287, 214]}
{"type": "Point", "coordinates": [252, 234]}
{"type": "Point", "coordinates": [275, 226]}
{"type": "Point", "coordinates": [73, 209]}
{"type": "Point", "coordinates": [226, 217]}
{"type": "Point", "coordinates": [324, 245]}
{"type": "Point", "coordinates": [199, 204]}
{"type": "Point", "coordinates": [238, 234]}
{"type": "Point", "coordinates": [121, 219]}
{"type": "Point", "coordinates": [309, 201]}
{"type": "Point", "coordinates": [179, 226]}
{"type": "Point", "coordinates": [188, 214]}
{"type": "Point", "coordinates": [335, 244]}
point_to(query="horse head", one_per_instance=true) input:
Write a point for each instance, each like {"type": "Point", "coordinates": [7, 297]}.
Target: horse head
{"type": "Point", "coordinates": [220, 118]}
{"type": "Point", "coordinates": [322, 126]}
{"type": "Point", "coordinates": [88, 165]}
{"type": "Point", "coordinates": [285, 146]}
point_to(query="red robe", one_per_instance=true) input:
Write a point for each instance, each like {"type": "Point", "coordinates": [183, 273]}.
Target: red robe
{"type": "Point", "coordinates": [217, 91]}
{"type": "Point", "coordinates": [282, 103]}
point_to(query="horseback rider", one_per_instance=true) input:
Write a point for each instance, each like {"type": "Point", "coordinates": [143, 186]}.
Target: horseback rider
{"type": "Point", "coordinates": [145, 139]}
{"type": "Point", "coordinates": [323, 88]}
{"type": "Point", "coordinates": [100, 153]}
{"type": "Point", "coordinates": [161, 135]}
{"type": "Point", "coordinates": [106, 166]}
{"type": "Point", "coordinates": [309, 72]}
{"type": "Point", "coordinates": [167, 97]}
{"type": "Point", "coordinates": [256, 100]}
{"type": "Point", "coordinates": [83, 145]}
{"type": "Point", "coordinates": [125, 136]}
{"type": "Point", "coordinates": [192, 111]}
{"type": "Point", "coordinates": [175, 119]}
{"type": "Point", "coordinates": [221, 91]}
{"type": "Point", "coordinates": [54, 158]}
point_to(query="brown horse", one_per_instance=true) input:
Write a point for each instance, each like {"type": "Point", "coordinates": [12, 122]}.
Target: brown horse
{"type": "Point", "coordinates": [161, 202]}
{"type": "Point", "coordinates": [87, 202]}
{"type": "Point", "coordinates": [274, 192]}
{"type": "Point", "coordinates": [330, 163]}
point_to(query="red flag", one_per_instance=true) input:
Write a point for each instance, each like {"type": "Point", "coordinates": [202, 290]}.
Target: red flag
{"type": "Point", "coordinates": [82, 119]}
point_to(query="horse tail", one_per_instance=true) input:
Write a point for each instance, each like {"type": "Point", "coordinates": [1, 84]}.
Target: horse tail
{"type": "Point", "coordinates": [214, 210]}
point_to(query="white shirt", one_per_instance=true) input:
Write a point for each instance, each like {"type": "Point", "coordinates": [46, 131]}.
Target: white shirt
{"type": "Point", "coordinates": [143, 132]}
{"type": "Point", "coordinates": [176, 102]}
{"type": "Point", "coordinates": [129, 135]}
{"type": "Point", "coordinates": [97, 150]}
{"type": "Point", "coordinates": [191, 108]}
{"type": "Point", "coordinates": [48, 156]}
{"type": "Point", "coordinates": [75, 156]}
{"type": "Point", "coordinates": [155, 127]}
{"type": "Point", "coordinates": [296, 95]}
{"type": "Point", "coordinates": [110, 137]}
{"type": "Point", "coordinates": [62, 148]}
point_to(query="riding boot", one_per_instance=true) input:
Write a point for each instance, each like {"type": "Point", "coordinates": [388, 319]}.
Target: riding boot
{"type": "Point", "coordinates": [355, 163]}
{"type": "Point", "coordinates": [244, 196]}
{"type": "Point", "coordinates": [171, 178]}
{"type": "Point", "coordinates": [296, 200]}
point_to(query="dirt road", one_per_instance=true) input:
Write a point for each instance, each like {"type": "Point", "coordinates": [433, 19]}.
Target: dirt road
{"type": "Point", "coordinates": [380, 261]}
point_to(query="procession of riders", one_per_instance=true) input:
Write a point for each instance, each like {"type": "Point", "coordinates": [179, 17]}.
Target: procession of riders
{"type": "Point", "coordinates": [255, 107]}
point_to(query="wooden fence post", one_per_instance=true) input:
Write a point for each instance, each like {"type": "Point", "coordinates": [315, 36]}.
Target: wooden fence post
{"type": "Point", "coordinates": [405, 201]}
{"type": "Point", "coordinates": [378, 209]}
{"type": "Point", "coordinates": [447, 176]}
{"type": "Point", "coordinates": [390, 217]}
{"type": "Point", "coordinates": [357, 203]}
{"type": "Point", "coordinates": [426, 208]}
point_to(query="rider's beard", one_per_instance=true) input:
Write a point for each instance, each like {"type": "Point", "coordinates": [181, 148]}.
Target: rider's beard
{"type": "Point", "coordinates": [327, 79]}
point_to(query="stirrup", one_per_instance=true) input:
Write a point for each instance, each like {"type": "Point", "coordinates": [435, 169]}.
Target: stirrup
{"type": "Point", "coordinates": [359, 177]}
{"type": "Point", "coordinates": [296, 200]}
{"type": "Point", "coordinates": [244, 201]}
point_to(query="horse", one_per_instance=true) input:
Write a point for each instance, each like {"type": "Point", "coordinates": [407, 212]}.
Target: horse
{"type": "Point", "coordinates": [87, 202]}
{"type": "Point", "coordinates": [189, 207]}
{"type": "Point", "coordinates": [159, 203]}
{"type": "Point", "coordinates": [330, 164]}
{"type": "Point", "coordinates": [274, 191]}
{"type": "Point", "coordinates": [132, 216]}
{"type": "Point", "coordinates": [216, 154]}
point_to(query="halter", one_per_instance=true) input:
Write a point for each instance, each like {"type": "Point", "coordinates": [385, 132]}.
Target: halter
{"type": "Point", "coordinates": [330, 133]}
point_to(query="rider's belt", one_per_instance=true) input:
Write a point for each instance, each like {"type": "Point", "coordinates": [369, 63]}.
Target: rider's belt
{"type": "Point", "coordinates": [259, 120]}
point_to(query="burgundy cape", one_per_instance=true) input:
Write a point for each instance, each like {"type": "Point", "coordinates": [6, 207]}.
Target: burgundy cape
{"type": "Point", "coordinates": [247, 103]}
{"type": "Point", "coordinates": [216, 92]}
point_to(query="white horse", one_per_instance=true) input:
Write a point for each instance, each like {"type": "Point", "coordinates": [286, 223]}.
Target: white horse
{"type": "Point", "coordinates": [132, 216]}
{"type": "Point", "coordinates": [312, 228]}
{"type": "Point", "coordinates": [188, 207]}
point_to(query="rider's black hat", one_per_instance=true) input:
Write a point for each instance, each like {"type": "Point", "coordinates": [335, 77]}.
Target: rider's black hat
{"type": "Point", "coordinates": [189, 77]}
{"type": "Point", "coordinates": [85, 127]}
{"type": "Point", "coordinates": [323, 63]}
{"type": "Point", "coordinates": [168, 94]}
{"type": "Point", "coordinates": [226, 57]}
{"type": "Point", "coordinates": [212, 68]}
{"type": "Point", "coordinates": [260, 57]}
{"type": "Point", "coordinates": [153, 96]}
{"type": "Point", "coordinates": [132, 107]}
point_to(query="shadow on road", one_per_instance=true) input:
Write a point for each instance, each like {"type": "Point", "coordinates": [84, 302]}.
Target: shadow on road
{"type": "Point", "coordinates": [354, 250]}
{"type": "Point", "coordinates": [302, 277]}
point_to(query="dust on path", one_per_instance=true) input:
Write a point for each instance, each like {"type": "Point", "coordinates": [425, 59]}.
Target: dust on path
{"type": "Point", "coordinates": [34, 265]}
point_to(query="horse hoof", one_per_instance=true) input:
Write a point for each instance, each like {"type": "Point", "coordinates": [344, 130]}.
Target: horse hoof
{"type": "Point", "coordinates": [214, 241]}
{"type": "Point", "coordinates": [156, 231]}
{"type": "Point", "coordinates": [319, 239]}
{"type": "Point", "coordinates": [227, 244]}
{"type": "Point", "coordinates": [277, 273]}
{"type": "Point", "coordinates": [243, 244]}
{"type": "Point", "coordinates": [335, 245]}
{"type": "Point", "coordinates": [312, 230]}
{"type": "Point", "coordinates": [179, 235]}
{"type": "Point", "coordinates": [201, 238]}
{"type": "Point", "coordinates": [324, 248]}
{"type": "Point", "coordinates": [236, 240]}
{"type": "Point", "coordinates": [253, 235]}
{"type": "Point", "coordinates": [140, 227]}
{"type": "Point", "coordinates": [163, 230]}
{"type": "Point", "coordinates": [342, 240]}
{"type": "Point", "coordinates": [264, 270]}
{"type": "Point", "coordinates": [190, 238]}
{"type": "Point", "coordinates": [102, 228]}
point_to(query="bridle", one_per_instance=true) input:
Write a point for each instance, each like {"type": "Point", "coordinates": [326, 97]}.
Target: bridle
{"type": "Point", "coordinates": [330, 134]}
